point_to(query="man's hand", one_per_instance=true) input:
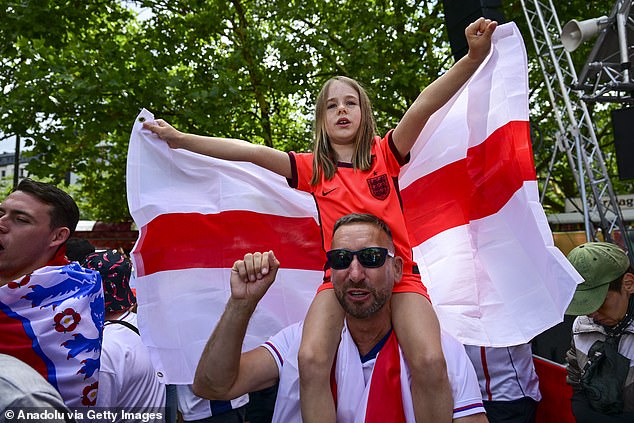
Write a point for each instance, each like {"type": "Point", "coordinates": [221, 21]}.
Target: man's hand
{"type": "Point", "coordinates": [166, 132]}
{"type": "Point", "coordinates": [479, 38]}
{"type": "Point", "coordinates": [252, 277]}
{"type": "Point", "coordinates": [223, 373]}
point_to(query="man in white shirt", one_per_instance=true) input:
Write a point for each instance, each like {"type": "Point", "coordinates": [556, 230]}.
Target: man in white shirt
{"type": "Point", "coordinates": [508, 382]}
{"type": "Point", "coordinates": [370, 378]}
{"type": "Point", "coordinates": [126, 376]}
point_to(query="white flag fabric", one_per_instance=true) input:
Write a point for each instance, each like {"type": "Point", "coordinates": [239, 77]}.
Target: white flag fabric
{"type": "Point", "coordinates": [197, 216]}
{"type": "Point", "coordinates": [470, 199]}
{"type": "Point", "coordinates": [480, 235]}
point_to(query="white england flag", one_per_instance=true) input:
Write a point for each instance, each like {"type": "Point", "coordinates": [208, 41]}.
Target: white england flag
{"type": "Point", "coordinates": [197, 216]}
{"type": "Point", "coordinates": [470, 199]}
{"type": "Point", "coordinates": [480, 235]}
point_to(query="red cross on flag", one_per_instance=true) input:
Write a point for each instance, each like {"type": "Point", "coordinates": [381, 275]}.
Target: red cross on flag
{"type": "Point", "coordinates": [470, 199]}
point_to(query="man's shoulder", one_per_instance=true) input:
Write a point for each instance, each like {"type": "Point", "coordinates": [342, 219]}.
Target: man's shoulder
{"type": "Point", "coordinates": [285, 338]}
{"type": "Point", "coordinates": [288, 335]}
{"type": "Point", "coordinates": [56, 273]}
{"type": "Point", "coordinates": [584, 325]}
{"type": "Point", "coordinates": [284, 346]}
{"type": "Point", "coordinates": [121, 327]}
{"type": "Point", "coordinates": [71, 277]}
{"type": "Point", "coordinates": [71, 269]}
{"type": "Point", "coordinates": [49, 284]}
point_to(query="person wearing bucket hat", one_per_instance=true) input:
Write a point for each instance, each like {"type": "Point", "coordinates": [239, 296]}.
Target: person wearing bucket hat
{"type": "Point", "coordinates": [600, 362]}
{"type": "Point", "coordinates": [115, 272]}
{"type": "Point", "coordinates": [127, 378]}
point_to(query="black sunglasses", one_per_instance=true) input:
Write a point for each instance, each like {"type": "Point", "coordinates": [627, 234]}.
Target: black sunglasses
{"type": "Point", "coordinates": [371, 257]}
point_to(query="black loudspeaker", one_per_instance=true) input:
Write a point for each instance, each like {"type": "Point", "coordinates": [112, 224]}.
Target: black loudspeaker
{"type": "Point", "coordinates": [623, 125]}
{"type": "Point", "coordinates": [460, 13]}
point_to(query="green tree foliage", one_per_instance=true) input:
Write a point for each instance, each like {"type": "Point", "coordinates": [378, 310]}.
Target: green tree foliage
{"type": "Point", "coordinates": [259, 64]}
{"type": "Point", "coordinates": [68, 76]}
{"type": "Point", "coordinates": [75, 74]}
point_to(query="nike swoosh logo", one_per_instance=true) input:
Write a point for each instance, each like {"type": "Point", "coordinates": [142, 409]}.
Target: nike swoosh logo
{"type": "Point", "coordinates": [325, 193]}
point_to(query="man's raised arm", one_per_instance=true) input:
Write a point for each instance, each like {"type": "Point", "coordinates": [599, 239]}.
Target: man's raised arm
{"type": "Point", "coordinates": [223, 373]}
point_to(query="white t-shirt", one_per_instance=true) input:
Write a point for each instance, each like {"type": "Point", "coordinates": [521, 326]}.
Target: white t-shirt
{"type": "Point", "coordinates": [505, 373]}
{"type": "Point", "coordinates": [126, 376]}
{"type": "Point", "coordinates": [285, 345]}
{"type": "Point", "coordinates": [193, 407]}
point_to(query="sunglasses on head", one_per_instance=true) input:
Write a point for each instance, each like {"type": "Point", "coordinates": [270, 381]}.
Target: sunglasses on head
{"type": "Point", "coordinates": [371, 257]}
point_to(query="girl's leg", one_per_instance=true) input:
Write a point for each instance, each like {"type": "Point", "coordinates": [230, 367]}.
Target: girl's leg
{"type": "Point", "coordinates": [320, 339]}
{"type": "Point", "coordinates": [418, 333]}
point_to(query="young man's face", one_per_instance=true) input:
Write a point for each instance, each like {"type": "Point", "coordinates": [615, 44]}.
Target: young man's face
{"type": "Point", "coordinates": [27, 241]}
{"type": "Point", "coordinates": [613, 309]}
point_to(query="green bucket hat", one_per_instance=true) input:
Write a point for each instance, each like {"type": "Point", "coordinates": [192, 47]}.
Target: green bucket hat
{"type": "Point", "coordinates": [599, 263]}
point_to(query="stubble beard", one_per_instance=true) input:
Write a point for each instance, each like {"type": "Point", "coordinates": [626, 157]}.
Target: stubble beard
{"type": "Point", "coordinates": [362, 311]}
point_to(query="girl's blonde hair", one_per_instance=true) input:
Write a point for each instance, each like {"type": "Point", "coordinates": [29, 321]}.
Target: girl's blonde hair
{"type": "Point", "coordinates": [324, 157]}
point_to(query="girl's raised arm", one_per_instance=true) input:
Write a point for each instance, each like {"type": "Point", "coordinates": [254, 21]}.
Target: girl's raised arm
{"type": "Point", "coordinates": [223, 148]}
{"type": "Point", "coordinates": [439, 92]}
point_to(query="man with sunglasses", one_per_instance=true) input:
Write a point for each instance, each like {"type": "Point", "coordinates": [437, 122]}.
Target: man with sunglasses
{"type": "Point", "coordinates": [370, 377]}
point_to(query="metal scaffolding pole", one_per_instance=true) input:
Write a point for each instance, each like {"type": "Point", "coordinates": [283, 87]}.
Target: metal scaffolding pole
{"type": "Point", "coordinates": [576, 135]}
